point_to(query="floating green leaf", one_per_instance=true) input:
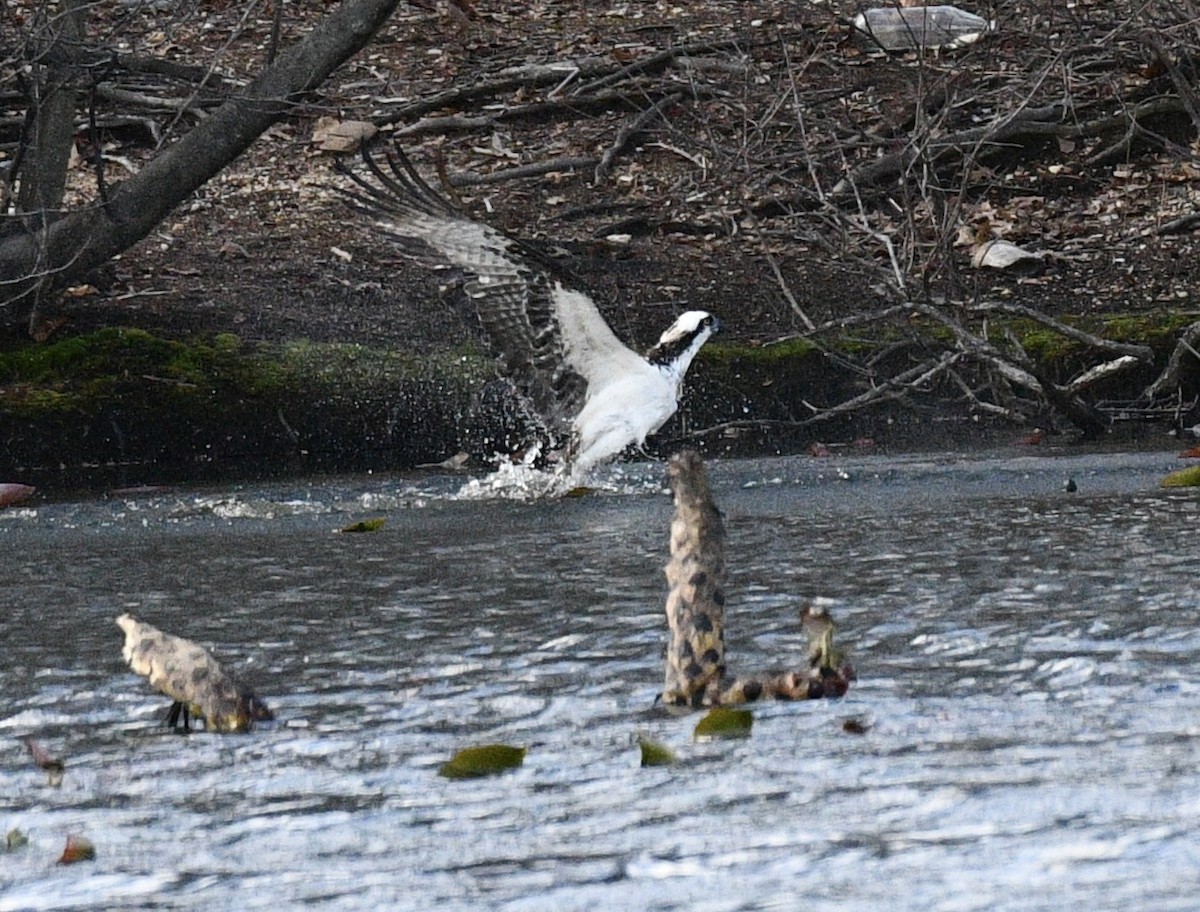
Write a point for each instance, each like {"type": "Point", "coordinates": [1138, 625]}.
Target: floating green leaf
{"type": "Point", "coordinates": [366, 525]}
{"type": "Point", "coordinates": [656, 754]}
{"type": "Point", "coordinates": [723, 722]}
{"type": "Point", "coordinates": [15, 840]}
{"type": "Point", "coordinates": [485, 760]}
{"type": "Point", "coordinates": [1184, 478]}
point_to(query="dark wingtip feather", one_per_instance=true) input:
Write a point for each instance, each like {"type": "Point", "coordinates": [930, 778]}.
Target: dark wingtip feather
{"type": "Point", "coordinates": [399, 190]}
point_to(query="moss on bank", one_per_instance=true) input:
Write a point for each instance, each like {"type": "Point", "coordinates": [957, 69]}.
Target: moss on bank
{"type": "Point", "coordinates": [1156, 329]}
{"type": "Point", "coordinates": [124, 398]}
{"type": "Point", "coordinates": [139, 407]}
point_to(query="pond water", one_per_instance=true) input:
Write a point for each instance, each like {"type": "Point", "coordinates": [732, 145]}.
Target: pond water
{"type": "Point", "coordinates": [1028, 660]}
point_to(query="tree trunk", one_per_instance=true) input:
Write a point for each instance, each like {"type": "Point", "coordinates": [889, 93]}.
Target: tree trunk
{"type": "Point", "coordinates": [77, 243]}
{"type": "Point", "coordinates": [51, 127]}
{"type": "Point", "coordinates": [52, 118]}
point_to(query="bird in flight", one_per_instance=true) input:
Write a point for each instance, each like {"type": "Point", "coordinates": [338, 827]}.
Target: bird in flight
{"type": "Point", "coordinates": [581, 381]}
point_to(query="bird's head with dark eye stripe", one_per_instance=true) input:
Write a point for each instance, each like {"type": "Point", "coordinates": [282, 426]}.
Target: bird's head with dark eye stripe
{"type": "Point", "coordinates": [683, 338]}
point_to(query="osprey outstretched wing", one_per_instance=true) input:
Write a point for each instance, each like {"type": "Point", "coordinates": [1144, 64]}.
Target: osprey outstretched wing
{"type": "Point", "coordinates": [551, 341]}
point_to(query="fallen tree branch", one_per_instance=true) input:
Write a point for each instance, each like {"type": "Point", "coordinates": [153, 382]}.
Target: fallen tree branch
{"type": "Point", "coordinates": [1033, 124]}
{"type": "Point", "coordinates": [982, 404]}
{"type": "Point", "coordinates": [1141, 353]}
{"type": "Point", "coordinates": [534, 169]}
{"type": "Point", "coordinates": [658, 61]}
{"type": "Point", "coordinates": [980, 348]}
{"type": "Point", "coordinates": [845, 323]}
{"type": "Point", "coordinates": [892, 388]}
{"type": "Point", "coordinates": [536, 75]}
{"type": "Point", "coordinates": [564, 110]}
{"type": "Point", "coordinates": [601, 69]}
{"type": "Point", "coordinates": [1044, 121]}
{"type": "Point", "coordinates": [1099, 372]}
{"type": "Point", "coordinates": [107, 59]}
{"type": "Point", "coordinates": [1181, 224]}
{"type": "Point", "coordinates": [1183, 85]}
{"type": "Point", "coordinates": [1171, 379]}
{"type": "Point", "coordinates": [110, 92]}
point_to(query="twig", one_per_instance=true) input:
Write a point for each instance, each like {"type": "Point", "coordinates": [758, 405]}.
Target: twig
{"type": "Point", "coordinates": [629, 131]}
{"type": "Point", "coordinates": [698, 160]}
{"type": "Point", "coordinates": [534, 169]}
{"type": "Point", "coordinates": [788, 296]}
{"type": "Point", "coordinates": [844, 323]}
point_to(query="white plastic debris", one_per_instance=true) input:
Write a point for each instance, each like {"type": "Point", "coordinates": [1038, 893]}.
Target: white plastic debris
{"type": "Point", "coordinates": [924, 27]}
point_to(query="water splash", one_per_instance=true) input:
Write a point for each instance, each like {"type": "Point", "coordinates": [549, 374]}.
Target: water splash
{"type": "Point", "coordinates": [522, 480]}
{"type": "Point", "coordinates": [518, 480]}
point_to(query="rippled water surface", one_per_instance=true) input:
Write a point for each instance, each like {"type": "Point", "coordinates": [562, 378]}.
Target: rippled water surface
{"type": "Point", "coordinates": [1029, 665]}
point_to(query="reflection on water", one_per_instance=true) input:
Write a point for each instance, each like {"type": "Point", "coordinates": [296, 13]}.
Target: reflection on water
{"type": "Point", "coordinates": [1029, 664]}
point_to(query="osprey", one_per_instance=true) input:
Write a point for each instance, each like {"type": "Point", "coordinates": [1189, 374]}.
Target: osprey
{"type": "Point", "coordinates": [580, 379]}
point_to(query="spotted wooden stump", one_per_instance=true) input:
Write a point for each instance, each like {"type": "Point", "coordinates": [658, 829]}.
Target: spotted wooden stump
{"type": "Point", "coordinates": [695, 666]}
{"type": "Point", "coordinates": [186, 673]}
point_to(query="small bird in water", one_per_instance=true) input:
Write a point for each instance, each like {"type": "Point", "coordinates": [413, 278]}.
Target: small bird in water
{"type": "Point", "coordinates": [696, 574]}
{"type": "Point", "coordinates": [186, 673]}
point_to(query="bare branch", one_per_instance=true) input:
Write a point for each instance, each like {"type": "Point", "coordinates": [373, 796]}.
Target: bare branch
{"type": "Point", "coordinates": [630, 130]}
{"type": "Point", "coordinates": [84, 239]}
{"type": "Point", "coordinates": [787, 293]}
{"type": "Point", "coordinates": [1141, 353]}
{"type": "Point", "coordinates": [1172, 376]}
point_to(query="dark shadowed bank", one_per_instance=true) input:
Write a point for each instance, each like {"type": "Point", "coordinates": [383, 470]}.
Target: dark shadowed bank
{"type": "Point", "coordinates": [122, 406]}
